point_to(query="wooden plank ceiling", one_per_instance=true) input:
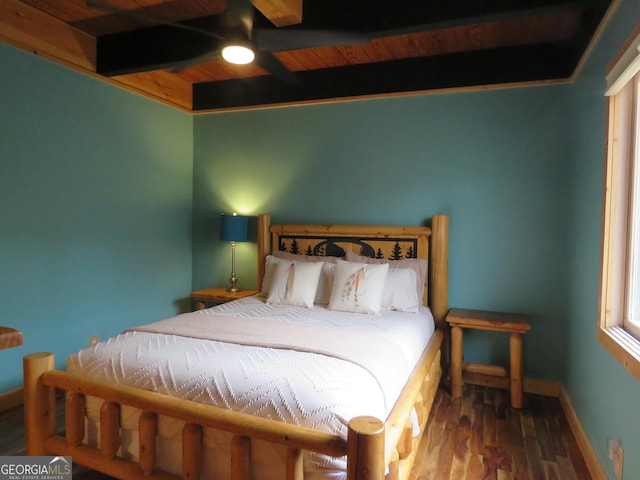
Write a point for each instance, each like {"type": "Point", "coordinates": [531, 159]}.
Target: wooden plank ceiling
{"type": "Point", "coordinates": [308, 50]}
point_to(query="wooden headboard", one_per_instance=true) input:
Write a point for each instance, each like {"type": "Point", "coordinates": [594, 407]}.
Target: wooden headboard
{"type": "Point", "coordinates": [390, 242]}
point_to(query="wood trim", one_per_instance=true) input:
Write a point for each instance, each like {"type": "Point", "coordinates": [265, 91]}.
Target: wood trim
{"type": "Point", "coordinates": [595, 39]}
{"type": "Point", "coordinates": [618, 55]}
{"type": "Point", "coordinates": [11, 398]}
{"type": "Point", "coordinates": [622, 346]}
{"type": "Point", "coordinates": [584, 444]}
{"type": "Point", "coordinates": [548, 388]}
{"type": "Point", "coordinates": [615, 207]}
{"type": "Point", "coordinates": [48, 37]}
{"type": "Point", "coordinates": [435, 91]}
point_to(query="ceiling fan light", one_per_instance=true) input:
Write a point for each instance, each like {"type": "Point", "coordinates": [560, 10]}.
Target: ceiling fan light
{"type": "Point", "coordinates": [238, 54]}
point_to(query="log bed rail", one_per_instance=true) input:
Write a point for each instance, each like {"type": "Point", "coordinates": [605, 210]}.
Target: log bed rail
{"type": "Point", "coordinates": [375, 450]}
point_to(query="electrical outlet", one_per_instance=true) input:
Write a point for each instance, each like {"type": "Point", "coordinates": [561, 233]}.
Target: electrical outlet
{"type": "Point", "coordinates": [617, 455]}
{"type": "Point", "coordinates": [93, 339]}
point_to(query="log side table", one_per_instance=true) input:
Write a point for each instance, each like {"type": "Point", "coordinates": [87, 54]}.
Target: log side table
{"type": "Point", "coordinates": [514, 324]}
{"type": "Point", "coordinates": [10, 337]}
{"type": "Point", "coordinates": [218, 295]}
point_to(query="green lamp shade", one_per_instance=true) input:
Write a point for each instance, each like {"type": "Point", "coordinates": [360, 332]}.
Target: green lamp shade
{"type": "Point", "coordinates": [234, 228]}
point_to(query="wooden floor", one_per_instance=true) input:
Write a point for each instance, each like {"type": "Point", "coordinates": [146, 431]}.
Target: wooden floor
{"type": "Point", "coordinates": [478, 437]}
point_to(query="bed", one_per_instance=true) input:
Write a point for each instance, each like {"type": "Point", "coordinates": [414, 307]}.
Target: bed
{"type": "Point", "coordinates": [166, 425]}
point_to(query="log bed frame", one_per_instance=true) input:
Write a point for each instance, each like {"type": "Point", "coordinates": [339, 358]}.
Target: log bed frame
{"type": "Point", "coordinates": [374, 449]}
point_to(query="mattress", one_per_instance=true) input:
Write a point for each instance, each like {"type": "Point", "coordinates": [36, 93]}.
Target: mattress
{"type": "Point", "coordinates": [313, 384]}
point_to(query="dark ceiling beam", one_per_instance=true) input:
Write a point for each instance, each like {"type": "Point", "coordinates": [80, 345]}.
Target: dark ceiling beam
{"type": "Point", "coordinates": [489, 67]}
{"type": "Point", "coordinates": [384, 18]}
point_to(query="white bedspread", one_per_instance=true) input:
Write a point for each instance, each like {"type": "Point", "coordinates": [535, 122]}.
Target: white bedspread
{"type": "Point", "coordinates": [291, 385]}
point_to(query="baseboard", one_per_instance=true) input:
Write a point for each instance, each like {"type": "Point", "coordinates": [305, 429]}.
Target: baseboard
{"type": "Point", "coordinates": [584, 444]}
{"type": "Point", "coordinates": [11, 399]}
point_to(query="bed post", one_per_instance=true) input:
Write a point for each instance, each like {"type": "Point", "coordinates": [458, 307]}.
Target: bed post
{"type": "Point", "coordinates": [39, 402]}
{"type": "Point", "coordinates": [438, 281]}
{"type": "Point", "coordinates": [264, 245]}
{"type": "Point", "coordinates": [365, 449]}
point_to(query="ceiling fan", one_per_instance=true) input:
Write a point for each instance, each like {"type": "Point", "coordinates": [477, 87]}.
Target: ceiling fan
{"type": "Point", "coordinates": [239, 40]}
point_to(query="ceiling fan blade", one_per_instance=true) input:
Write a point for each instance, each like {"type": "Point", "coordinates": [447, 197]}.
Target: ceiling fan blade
{"type": "Point", "coordinates": [292, 38]}
{"type": "Point", "coordinates": [269, 62]}
{"type": "Point", "coordinates": [240, 13]}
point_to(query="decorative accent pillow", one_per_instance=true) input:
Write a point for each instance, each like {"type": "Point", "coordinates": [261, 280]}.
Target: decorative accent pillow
{"type": "Point", "coordinates": [326, 277]}
{"type": "Point", "coordinates": [358, 287]}
{"type": "Point", "coordinates": [418, 264]}
{"type": "Point", "coordinates": [294, 284]}
{"type": "Point", "coordinates": [400, 291]}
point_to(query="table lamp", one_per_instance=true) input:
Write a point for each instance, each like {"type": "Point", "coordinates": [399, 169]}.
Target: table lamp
{"type": "Point", "coordinates": [234, 229]}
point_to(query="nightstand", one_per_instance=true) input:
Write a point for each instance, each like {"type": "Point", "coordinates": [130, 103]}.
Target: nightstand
{"type": "Point", "coordinates": [10, 337]}
{"type": "Point", "coordinates": [218, 295]}
{"type": "Point", "coordinates": [514, 324]}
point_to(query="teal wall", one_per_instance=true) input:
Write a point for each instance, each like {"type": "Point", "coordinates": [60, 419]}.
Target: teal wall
{"type": "Point", "coordinates": [96, 195]}
{"type": "Point", "coordinates": [495, 161]}
{"type": "Point", "coordinates": [604, 394]}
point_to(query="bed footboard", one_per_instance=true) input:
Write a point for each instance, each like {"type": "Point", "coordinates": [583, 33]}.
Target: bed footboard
{"type": "Point", "coordinates": [372, 447]}
{"type": "Point", "coordinates": [364, 445]}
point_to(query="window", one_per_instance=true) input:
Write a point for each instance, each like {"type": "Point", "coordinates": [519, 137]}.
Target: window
{"type": "Point", "coordinates": [619, 316]}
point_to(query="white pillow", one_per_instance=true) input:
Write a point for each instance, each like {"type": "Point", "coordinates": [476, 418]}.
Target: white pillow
{"type": "Point", "coordinates": [269, 269]}
{"type": "Point", "coordinates": [358, 287]}
{"type": "Point", "coordinates": [294, 284]}
{"type": "Point", "coordinates": [400, 291]}
{"type": "Point", "coordinates": [418, 264]}
{"type": "Point", "coordinates": [323, 293]}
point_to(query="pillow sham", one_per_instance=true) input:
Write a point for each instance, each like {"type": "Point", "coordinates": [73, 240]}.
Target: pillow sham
{"type": "Point", "coordinates": [358, 287]}
{"type": "Point", "coordinates": [326, 276]}
{"type": "Point", "coordinates": [294, 284]}
{"type": "Point", "coordinates": [400, 291]}
{"type": "Point", "coordinates": [419, 265]}
{"type": "Point", "coordinates": [269, 269]}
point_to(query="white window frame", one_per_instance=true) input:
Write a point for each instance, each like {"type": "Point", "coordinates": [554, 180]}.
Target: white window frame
{"type": "Point", "coordinates": [619, 330]}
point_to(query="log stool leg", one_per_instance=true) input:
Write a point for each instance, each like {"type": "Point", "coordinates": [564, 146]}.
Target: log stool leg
{"type": "Point", "coordinates": [515, 353]}
{"type": "Point", "coordinates": [456, 362]}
